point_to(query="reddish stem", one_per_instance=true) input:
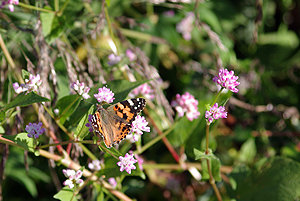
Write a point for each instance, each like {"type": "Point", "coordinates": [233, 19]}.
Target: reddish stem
{"type": "Point", "coordinates": [164, 139]}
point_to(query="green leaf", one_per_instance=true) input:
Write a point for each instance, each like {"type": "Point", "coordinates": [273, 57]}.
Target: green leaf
{"type": "Point", "coordinates": [24, 99]}
{"type": "Point", "coordinates": [196, 136]}
{"type": "Point", "coordinates": [112, 150]}
{"type": "Point", "coordinates": [64, 194]}
{"type": "Point", "coordinates": [182, 131]}
{"type": "Point", "coordinates": [58, 26]}
{"type": "Point", "coordinates": [283, 36]}
{"type": "Point", "coordinates": [63, 85]}
{"type": "Point", "coordinates": [80, 111]}
{"type": "Point", "coordinates": [215, 166]}
{"type": "Point", "coordinates": [212, 143]}
{"type": "Point", "coordinates": [66, 106]}
{"type": "Point", "coordinates": [207, 106]}
{"type": "Point", "coordinates": [205, 174]}
{"type": "Point", "coordinates": [232, 183]}
{"type": "Point", "coordinates": [248, 151]}
{"type": "Point", "coordinates": [2, 115]}
{"type": "Point", "coordinates": [100, 196]}
{"type": "Point", "coordinates": [2, 130]}
{"type": "Point", "coordinates": [23, 140]}
{"type": "Point", "coordinates": [211, 19]}
{"type": "Point", "coordinates": [107, 3]}
{"type": "Point", "coordinates": [39, 175]}
{"type": "Point", "coordinates": [47, 20]}
{"type": "Point", "coordinates": [275, 179]}
{"type": "Point", "coordinates": [82, 130]}
{"type": "Point", "coordinates": [201, 154]}
{"type": "Point", "coordinates": [25, 74]}
{"type": "Point", "coordinates": [20, 176]}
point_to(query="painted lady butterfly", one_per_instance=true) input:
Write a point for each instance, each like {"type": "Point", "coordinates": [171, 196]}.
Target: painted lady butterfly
{"type": "Point", "coordinates": [114, 123]}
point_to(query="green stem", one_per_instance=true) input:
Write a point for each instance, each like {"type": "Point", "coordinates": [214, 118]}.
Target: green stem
{"type": "Point", "coordinates": [63, 8]}
{"type": "Point", "coordinates": [56, 5]}
{"type": "Point", "coordinates": [6, 141]}
{"type": "Point", "coordinates": [36, 8]}
{"type": "Point", "coordinates": [211, 178]}
{"type": "Point", "coordinates": [207, 138]}
{"type": "Point", "coordinates": [217, 96]}
{"type": "Point", "coordinates": [48, 111]}
{"type": "Point", "coordinates": [149, 8]}
{"type": "Point", "coordinates": [152, 142]}
{"type": "Point", "coordinates": [87, 152]}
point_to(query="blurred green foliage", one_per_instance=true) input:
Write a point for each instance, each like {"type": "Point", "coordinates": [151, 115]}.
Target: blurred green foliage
{"type": "Point", "coordinates": [259, 40]}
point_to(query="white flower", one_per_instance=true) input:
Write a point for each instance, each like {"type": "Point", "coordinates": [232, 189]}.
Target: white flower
{"type": "Point", "coordinates": [73, 178]}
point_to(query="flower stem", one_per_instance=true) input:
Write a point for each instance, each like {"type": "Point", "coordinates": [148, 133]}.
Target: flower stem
{"type": "Point", "coordinates": [217, 96]}
{"type": "Point", "coordinates": [211, 178]}
{"type": "Point", "coordinates": [86, 173]}
{"type": "Point", "coordinates": [207, 138]}
{"type": "Point", "coordinates": [35, 8]}
{"type": "Point", "coordinates": [63, 8]}
{"type": "Point", "coordinates": [164, 139]}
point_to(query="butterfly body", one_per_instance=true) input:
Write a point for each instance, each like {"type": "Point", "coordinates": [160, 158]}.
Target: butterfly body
{"type": "Point", "coordinates": [114, 123]}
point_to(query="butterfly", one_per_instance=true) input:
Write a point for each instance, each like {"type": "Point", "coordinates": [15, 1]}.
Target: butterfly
{"type": "Point", "coordinates": [114, 123]}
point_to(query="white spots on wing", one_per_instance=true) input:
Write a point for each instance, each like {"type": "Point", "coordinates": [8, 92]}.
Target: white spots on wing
{"type": "Point", "coordinates": [94, 118]}
{"type": "Point", "coordinates": [131, 103]}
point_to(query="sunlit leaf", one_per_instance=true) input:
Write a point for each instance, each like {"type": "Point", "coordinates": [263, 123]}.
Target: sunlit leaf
{"type": "Point", "coordinates": [82, 130]}
{"type": "Point", "coordinates": [248, 151]}
{"type": "Point", "coordinates": [66, 106]}
{"type": "Point", "coordinates": [23, 140]}
{"type": "Point", "coordinates": [64, 194]}
{"type": "Point", "coordinates": [24, 99]}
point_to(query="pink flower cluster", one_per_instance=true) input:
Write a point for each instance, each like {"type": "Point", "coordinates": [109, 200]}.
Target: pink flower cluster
{"type": "Point", "coordinates": [10, 4]}
{"type": "Point", "coordinates": [126, 163]}
{"type": "Point", "coordinates": [81, 89]}
{"type": "Point", "coordinates": [227, 80]}
{"type": "Point", "coordinates": [112, 181]}
{"type": "Point", "coordinates": [31, 84]}
{"type": "Point", "coordinates": [113, 59]}
{"type": "Point", "coordinates": [215, 113]}
{"type": "Point", "coordinates": [138, 126]}
{"type": "Point", "coordinates": [105, 95]}
{"type": "Point", "coordinates": [95, 165]}
{"type": "Point", "coordinates": [73, 178]}
{"type": "Point", "coordinates": [185, 26]}
{"type": "Point", "coordinates": [186, 104]}
{"type": "Point", "coordinates": [144, 90]}
{"type": "Point", "coordinates": [34, 130]}
{"type": "Point", "coordinates": [139, 159]}
{"type": "Point", "coordinates": [131, 56]}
